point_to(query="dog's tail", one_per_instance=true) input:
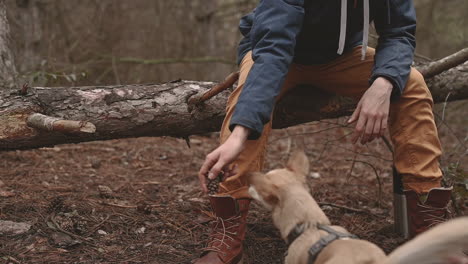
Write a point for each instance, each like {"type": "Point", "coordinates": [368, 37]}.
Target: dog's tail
{"type": "Point", "coordinates": [444, 243]}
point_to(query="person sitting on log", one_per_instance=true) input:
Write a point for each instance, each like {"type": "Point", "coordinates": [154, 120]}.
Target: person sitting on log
{"type": "Point", "coordinates": [323, 44]}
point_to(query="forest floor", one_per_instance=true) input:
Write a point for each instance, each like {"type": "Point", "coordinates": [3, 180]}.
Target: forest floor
{"type": "Point", "coordinates": [154, 210]}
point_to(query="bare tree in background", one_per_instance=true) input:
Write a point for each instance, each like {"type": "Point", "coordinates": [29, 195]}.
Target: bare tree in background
{"type": "Point", "coordinates": [8, 73]}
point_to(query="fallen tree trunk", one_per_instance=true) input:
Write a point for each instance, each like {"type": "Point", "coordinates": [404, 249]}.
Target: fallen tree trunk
{"type": "Point", "coordinates": [164, 110]}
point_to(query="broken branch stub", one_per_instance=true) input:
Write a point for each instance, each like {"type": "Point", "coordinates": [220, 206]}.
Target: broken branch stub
{"type": "Point", "coordinates": [48, 123]}
{"type": "Point", "coordinates": [227, 83]}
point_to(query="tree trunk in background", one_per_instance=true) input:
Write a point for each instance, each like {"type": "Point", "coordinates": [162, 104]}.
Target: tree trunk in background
{"type": "Point", "coordinates": [8, 72]}
{"type": "Point", "coordinates": [29, 27]}
{"type": "Point", "coordinates": [442, 27]}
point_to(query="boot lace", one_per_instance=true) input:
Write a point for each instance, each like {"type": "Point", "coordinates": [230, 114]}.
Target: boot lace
{"type": "Point", "coordinates": [222, 233]}
{"type": "Point", "coordinates": [432, 214]}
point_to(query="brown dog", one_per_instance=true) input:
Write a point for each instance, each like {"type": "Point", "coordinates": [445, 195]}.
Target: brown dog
{"type": "Point", "coordinates": [312, 238]}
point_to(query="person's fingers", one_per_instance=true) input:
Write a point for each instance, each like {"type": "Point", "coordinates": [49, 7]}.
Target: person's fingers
{"type": "Point", "coordinates": [383, 126]}
{"type": "Point", "coordinates": [230, 172]}
{"type": "Point", "coordinates": [210, 160]}
{"type": "Point", "coordinates": [216, 169]}
{"type": "Point", "coordinates": [376, 131]}
{"type": "Point", "coordinates": [355, 114]}
{"type": "Point", "coordinates": [203, 186]}
{"type": "Point", "coordinates": [368, 130]}
{"type": "Point", "coordinates": [359, 129]}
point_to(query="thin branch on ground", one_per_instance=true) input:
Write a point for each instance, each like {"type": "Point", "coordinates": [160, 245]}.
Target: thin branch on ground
{"type": "Point", "coordinates": [388, 144]}
{"type": "Point", "coordinates": [379, 181]}
{"type": "Point", "coordinates": [462, 143]}
{"type": "Point", "coordinates": [352, 167]}
{"type": "Point", "coordinates": [75, 236]}
{"type": "Point", "coordinates": [349, 209]}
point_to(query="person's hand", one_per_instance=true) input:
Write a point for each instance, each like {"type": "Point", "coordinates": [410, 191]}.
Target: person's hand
{"type": "Point", "coordinates": [220, 159]}
{"type": "Point", "coordinates": [372, 111]}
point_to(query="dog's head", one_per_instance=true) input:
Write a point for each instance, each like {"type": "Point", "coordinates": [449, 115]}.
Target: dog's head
{"type": "Point", "coordinates": [265, 188]}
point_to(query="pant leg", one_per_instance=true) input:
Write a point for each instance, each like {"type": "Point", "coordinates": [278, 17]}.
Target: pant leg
{"type": "Point", "coordinates": [415, 136]}
{"type": "Point", "coordinates": [411, 122]}
{"type": "Point", "coordinates": [252, 157]}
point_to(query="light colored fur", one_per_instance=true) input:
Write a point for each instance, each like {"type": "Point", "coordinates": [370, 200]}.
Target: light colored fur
{"type": "Point", "coordinates": [444, 243]}
{"type": "Point", "coordinates": [285, 193]}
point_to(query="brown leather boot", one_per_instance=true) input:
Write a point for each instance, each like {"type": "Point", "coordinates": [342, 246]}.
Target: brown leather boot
{"type": "Point", "coordinates": [228, 232]}
{"type": "Point", "coordinates": [424, 215]}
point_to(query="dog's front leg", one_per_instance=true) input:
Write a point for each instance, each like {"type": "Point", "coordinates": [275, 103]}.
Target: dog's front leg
{"type": "Point", "coordinates": [297, 254]}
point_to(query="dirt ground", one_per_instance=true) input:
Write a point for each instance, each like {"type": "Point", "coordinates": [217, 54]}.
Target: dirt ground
{"type": "Point", "coordinates": [151, 210]}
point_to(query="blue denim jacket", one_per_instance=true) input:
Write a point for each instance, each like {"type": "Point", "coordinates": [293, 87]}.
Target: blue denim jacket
{"type": "Point", "coordinates": [279, 32]}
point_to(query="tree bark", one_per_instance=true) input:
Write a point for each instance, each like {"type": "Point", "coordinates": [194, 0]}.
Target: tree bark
{"type": "Point", "coordinates": [8, 73]}
{"type": "Point", "coordinates": [163, 110]}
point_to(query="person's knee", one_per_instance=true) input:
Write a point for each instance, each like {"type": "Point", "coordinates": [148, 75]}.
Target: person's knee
{"type": "Point", "coordinates": [416, 77]}
{"type": "Point", "coordinates": [417, 87]}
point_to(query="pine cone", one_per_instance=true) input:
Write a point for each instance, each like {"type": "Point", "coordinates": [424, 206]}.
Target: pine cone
{"type": "Point", "coordinates": [105, 191]}
{"type": "Point", "coordinates": [64, 222]}
{"type": "Point", "coordinates": [144, 207]}
{"type": "Point", "coordinates": [80, 226]}
{"type": "Point", "coordinates": [56, 205]}
{"type": "Point", "coordinates": [213, 185]}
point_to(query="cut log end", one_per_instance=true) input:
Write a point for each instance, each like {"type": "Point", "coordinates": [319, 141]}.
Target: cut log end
{"type": "Point", "coordinates": [48, 123]}
{"type": "Point", "coordinates": [88, 128]}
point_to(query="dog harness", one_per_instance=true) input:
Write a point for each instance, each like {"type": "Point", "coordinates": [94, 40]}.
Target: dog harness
{"type": "Point", "coordinates": [316, 248]}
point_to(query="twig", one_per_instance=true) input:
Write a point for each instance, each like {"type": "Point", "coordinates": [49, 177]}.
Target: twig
{"type": "Point", "coordinates": [48, 123]}
{"type": "Point", "coordinates": [96, 227]}
{"type": "Point", "coordinates": [228, 82]}
{"type": "Point", "coordinates": [445, 105]}
{"type": "Point", "coordinates": [24, 90]}
{"type": "Point", "coordinates": [376, 175]}
{"type": "Point", "coordinates": [451, 131]}
{"type": "Point", "coordinates": [121, 205]}
{"type": "Point", "coordinates": [349, 209]}
{"type": "Point", "coordinates": [436, 67]}
{"type": "Point", "coordinates": [172, 224]}
{"type": "Point", "coordinates": [75, 236]}
{"type": "Point", "coordinates": [12, 259]}
{"type": "Point", "coordinates": [387, 143]}
{"type": "Point", "coordinates": [352, 166]}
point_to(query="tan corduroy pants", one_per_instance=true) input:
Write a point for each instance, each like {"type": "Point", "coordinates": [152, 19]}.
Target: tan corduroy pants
{"type": "Point", "coordinates": [411, 122]}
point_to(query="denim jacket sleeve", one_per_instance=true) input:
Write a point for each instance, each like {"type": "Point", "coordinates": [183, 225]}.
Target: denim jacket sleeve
{"type": "Point", "coordinates": [276, 23]}
{"type": "Point", "coordinates": [395, 48]}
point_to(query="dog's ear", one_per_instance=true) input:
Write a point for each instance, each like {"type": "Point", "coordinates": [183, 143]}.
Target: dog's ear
{"type": "Point", "coordinates": [298, 163]}
{"type": "Point", "coordinates": [262, 190]}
